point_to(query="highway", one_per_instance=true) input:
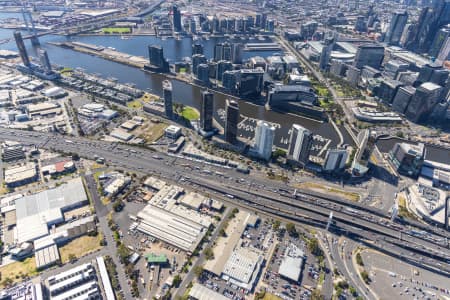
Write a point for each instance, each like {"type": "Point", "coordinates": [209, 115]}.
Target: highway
{"type": "Point", "coordinates": [271, 197]}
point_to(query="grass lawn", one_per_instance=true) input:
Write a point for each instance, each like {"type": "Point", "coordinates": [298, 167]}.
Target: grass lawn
{"type": "Point", "coordinates": [190, 113]}
{"type": "Point", "coordinates": [326, 189]}
{"type": "Point", "coordinates": [269, 296]}
{"type": "Point", "coordinates": [325, 104]}
{"type": "Point", "coordinates": [121, 30]}
{"type": "Point", "coordinates": [136, 104]}
{"type": "Point", "coordinates": [18, 269]}
{"type": "Point", "coordinates": [153, 132]}
{"type": "Point", "coordinates": [403, 210]}
{"type": "Point", "coordinates": [79, 247]}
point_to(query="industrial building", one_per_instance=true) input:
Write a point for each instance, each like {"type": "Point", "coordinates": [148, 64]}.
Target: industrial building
{"type": "Point", "coordinates": [173, 229]}
{"type": "Point", "coordinates": [200, 292]}
{"type": "Point", "coordinates": [292, 263]}
{"type": "Point", "coordinates": [38, 212]}
{"type": "Point", "coordinates": [20, 175]}
{"type": "Point", "coordinates": [243, 266]}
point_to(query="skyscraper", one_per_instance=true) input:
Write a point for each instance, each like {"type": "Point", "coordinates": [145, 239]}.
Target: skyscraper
{"type": "Point", "coordinates": [231, 121]}
{"type": "Point", "coordinates": [45, 62]}
{"type": "Point", "coordinates": [361, 24]}
{"type": "Point", "coordinates": [369, 55]}
{"type": "Point", "coordinates": [366, 143]}
{"type": "Point", "coordinates": [197, 48]}
{"type": "Point", "coordinates": [176, 19]}
{"type": "Point", "coordinates": [207, 111]}
{"type": "Point", "coordinates": [218, 52]}
{"type": "Point", "coordinates": [22, 50]}
{"type": "Point", "coordinates": [238, 49]}
{"type": "Point", "coordinates": [408, 159]}
{"type": "Point", "coordinates": [264, 135]}
{"type": "Point", "coordinates": [439, 41]}
{"type": "Point", "coordinates": [227, 51]}
{"type": "Point", "coordinates": [300, 144]}
{"type": "Point", "coordinates": [423, 101]}
{"type": "Point", "coordinates": [424, 31]}
{"type": "Point", "coordinates": [396, 27]}
{"type": "Point", "coordinates": [167, 94]}
{"type": "Point", "coordinates": [156, 56]}
{"type": "Point", "coordinates": [326, 53]}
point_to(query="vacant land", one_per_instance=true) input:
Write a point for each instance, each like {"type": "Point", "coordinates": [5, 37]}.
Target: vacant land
{"type": "Point", "coordinates": [327, 190]}
{"type": "Point", "coordinates": [79, 247]}
{"type": "Point", "coordinates": [15, 271]}
{"type": "Point", "coordinates": [120, 30]}
{"type": "Point", "coordinates": [150, 132]}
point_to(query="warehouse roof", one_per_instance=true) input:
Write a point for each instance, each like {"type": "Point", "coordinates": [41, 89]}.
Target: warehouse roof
{"type": "Point", "coordinates": [201, 292]}
{"type": "Point", "coordinates": [156, 259]}
{"type": "Point", "coordinates": [291, 266]}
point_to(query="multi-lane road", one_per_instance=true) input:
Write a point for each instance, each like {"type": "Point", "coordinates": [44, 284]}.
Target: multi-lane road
{"type": "Point", "coordinates": [368, 225]}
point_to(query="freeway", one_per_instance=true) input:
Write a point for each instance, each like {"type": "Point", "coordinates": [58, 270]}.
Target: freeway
{"type": "Point", "coordinates": [428, 250]}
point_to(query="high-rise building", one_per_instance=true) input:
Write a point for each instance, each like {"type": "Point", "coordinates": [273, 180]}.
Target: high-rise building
{"type": "Point", "coordinates": [45, 62]}
{"type": "Point", "coordinates": [408, 159]}
{"type": "Point", "coordinates": [231, 121]}
{"type": "Point", "coordinates": [308, 29]}
{"type": "Point", "coordinates": [369, 55]}
{"type": "Point", "coordinates": [264, 135]}
{"type": "Point", "coordinates": [300, 144]}
{"type": "Point", "coordinates": [422, 34]}
{"type": "Point", "coordinates": [167, 95]}
{"type": "Point", "coordinates": [227, 51]}
{"type": "Point", "coordinates": [361, 24]}
{"type": "Point", "coordinates": [207, 111]}
{"type": "Point", "coordinates": [396, 27]}
{"type": "Point", "coordinates": [326, 53]}
{"type": "Point", "coordinates": [218, 51]}
{"type": "Point", "coordinates": [251, 83]}
{"type": "Point", "coordinates": [192, 26]}
{"type": "Point", "coordinates": [197, 49]}
{"type": "Point", "coordinates": [156, 56]}
{"type": "Point", "coordinates": [434, 73]}
{"type": "Point", "coordinates": [365, 143]}
{"type": "Point", "coordinates": [22, 50]}
{"type": "Point", "coordinates": [402, 98]}
{"type": "Point", "coordinates": [335, 160]}
{"type": "Point", "coordinates": [197, 59]}
{"type": "Point", "coordinates": [222, 67]}
{"type": "Point", "coordinates": [439, 41]}
{"type": "Point", "coordinates": [177, 26]}
{"type": "Point", "coordinates": [423, 101]}
{"type": "Point", "coordinates": [238, 49]}
{"type": "Point", "coordinates": [203, 74]}
{"type": "Point", "coordinates": [444, 53]}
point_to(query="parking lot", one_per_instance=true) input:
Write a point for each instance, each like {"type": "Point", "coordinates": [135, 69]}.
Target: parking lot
{"type": "Point", "coordinates": [390, 276]}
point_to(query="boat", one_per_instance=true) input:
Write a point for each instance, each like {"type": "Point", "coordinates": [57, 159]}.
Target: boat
{"type": "Point", "coordinates": [125, 37]}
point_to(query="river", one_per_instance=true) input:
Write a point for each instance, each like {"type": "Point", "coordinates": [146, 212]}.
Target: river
{"type": "Point", "coordinates": [175, 50]}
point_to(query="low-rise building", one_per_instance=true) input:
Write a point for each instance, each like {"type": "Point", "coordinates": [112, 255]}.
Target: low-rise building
{"type": "Point", "coordinates": [292, 263]}
{"type": "Point", "coordinates": [407, 158]}
{"type": "Point", "coordinates": [21, 175]}
{"type": "Point", "coordinates": [173, 132]}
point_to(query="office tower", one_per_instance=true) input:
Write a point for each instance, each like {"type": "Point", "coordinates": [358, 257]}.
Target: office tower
{"type": "Point", "coordinates": [156, 56]}
{"type": "Point", "coordinates": [402, 98]}
{"type": "Point", "coordinates": [258, 18]}
{"type": "Point", "coordinates": [360, 24]}
{"type": "Point", "coordinates": [264, 135]}
{"type": "Point", "coordinates": [239, 25]}
{"type": "Point", "coordinates": [167, 95]}
{"type": "Point", "coordinates": [222, 67]}
{"type": "Point", "coordinates": [365, 143]}
{"type": "Point", "coordinates": [423, 32]}
{"type": "Point", "coordinates": [229, 81]}
{"type": "Point", "coordinates": [270, 27]}
{"type": "Point", "coordinates": [192, 26]}
{"type": "Point", "coordinates": [444, 53]}
{"type": "Point", "coordinates": [335, 160]}
{"type": "Point", "coordinates": [352, 75]}
{"type": "Point", "coordinates": [177, 26]}
{"type": "Point", "coordinates": [300, 144]}
{"type": "Point", "coordinates": [203, 74]}
{"type": "Point", "coordinates": [432, 73]}
{"type": "Point", "coordinates": [407, 158]}
{"type": "Point", "coordinates": [369, 55]}
{"type": "Point", "coordinates": [227, 51]}
{"type": "Point", "coordinates": [388, 89]}
{"type": "Point", "coordinates": [263, 21]}
{"type": "Point", "coordinates": [238, 50]}
{"type": "Point", "coordinates": [439, 41]}
{"type": "Point", "coordinates": [22, 50]}
{"type": "Point", "coordinates": [45, 62]}
{"type": "Point", "coordinates": [218, 51]}
{"type": "Point", "coordinates": [308, 29]}
{"type": "Point", "coordinates": [215, 25]}
{"type": "Point", "coordinates": [231, 121]}
{"type": "Point", "coordinates": [396, 27]}
{"type": "Point", "coordinates": [207, 111]}
{"type": "Point", "coordinates": [326, 53]}
{"type": "Point", "coordinates": [197, 49]}
{"type": "Point", "coordinates": [251, 83]}
{"type": "Point", "coordinates": [197, 59]}
{"type": "Point", "coordinates": [424, 100]}
{"type": "Point", "coordinates": [393, 67]}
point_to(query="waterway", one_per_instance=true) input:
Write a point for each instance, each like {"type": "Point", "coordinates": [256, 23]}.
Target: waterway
{"type": "Point", "coordinates": [184, 93]}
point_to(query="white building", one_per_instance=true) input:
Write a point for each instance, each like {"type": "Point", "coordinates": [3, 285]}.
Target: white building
{"type": "Point", "coordinates": [300, 144]}
{"type": "Point", "coordinates": [335, 160]}
{"type": "Point", "coordinates": [264, 135]}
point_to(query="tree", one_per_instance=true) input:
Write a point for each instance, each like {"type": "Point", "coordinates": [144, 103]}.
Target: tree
{"type": "Point", "coordinates": [313, 246]}
{"type": "Point", "coordinates": [209, 253]}
{"type": "Point", "coordinates": [198, 271]}
{"type": "Point", "coordinates": [365, 276]}
{"type": "Point", "coordinates": [72, 257]}
{"type": "Point", "coordinates": [176, 280]}
{"type": "Point", "coordinates": [290, 228]}
{"type": "Point", "coordinates": [123, 253]}
{"type": "Point", "coordinates": [359, 260]}
{"type": "Point", "coordinates": [276, 225]}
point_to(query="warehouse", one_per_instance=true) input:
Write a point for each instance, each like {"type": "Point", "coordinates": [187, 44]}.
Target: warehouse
{"type": "Point", "coordinates": [292, 263]}
{"type": "Point", "coordinates": [171, 228]}
{"type": "Point", "coordinates": [36, 213]}
{"type": "Point", "coordinates": [243, 266]}
{"type": "Point", "coordinates": [201, 292]}
{"type": "Point", "coordinates": [21, 175]}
